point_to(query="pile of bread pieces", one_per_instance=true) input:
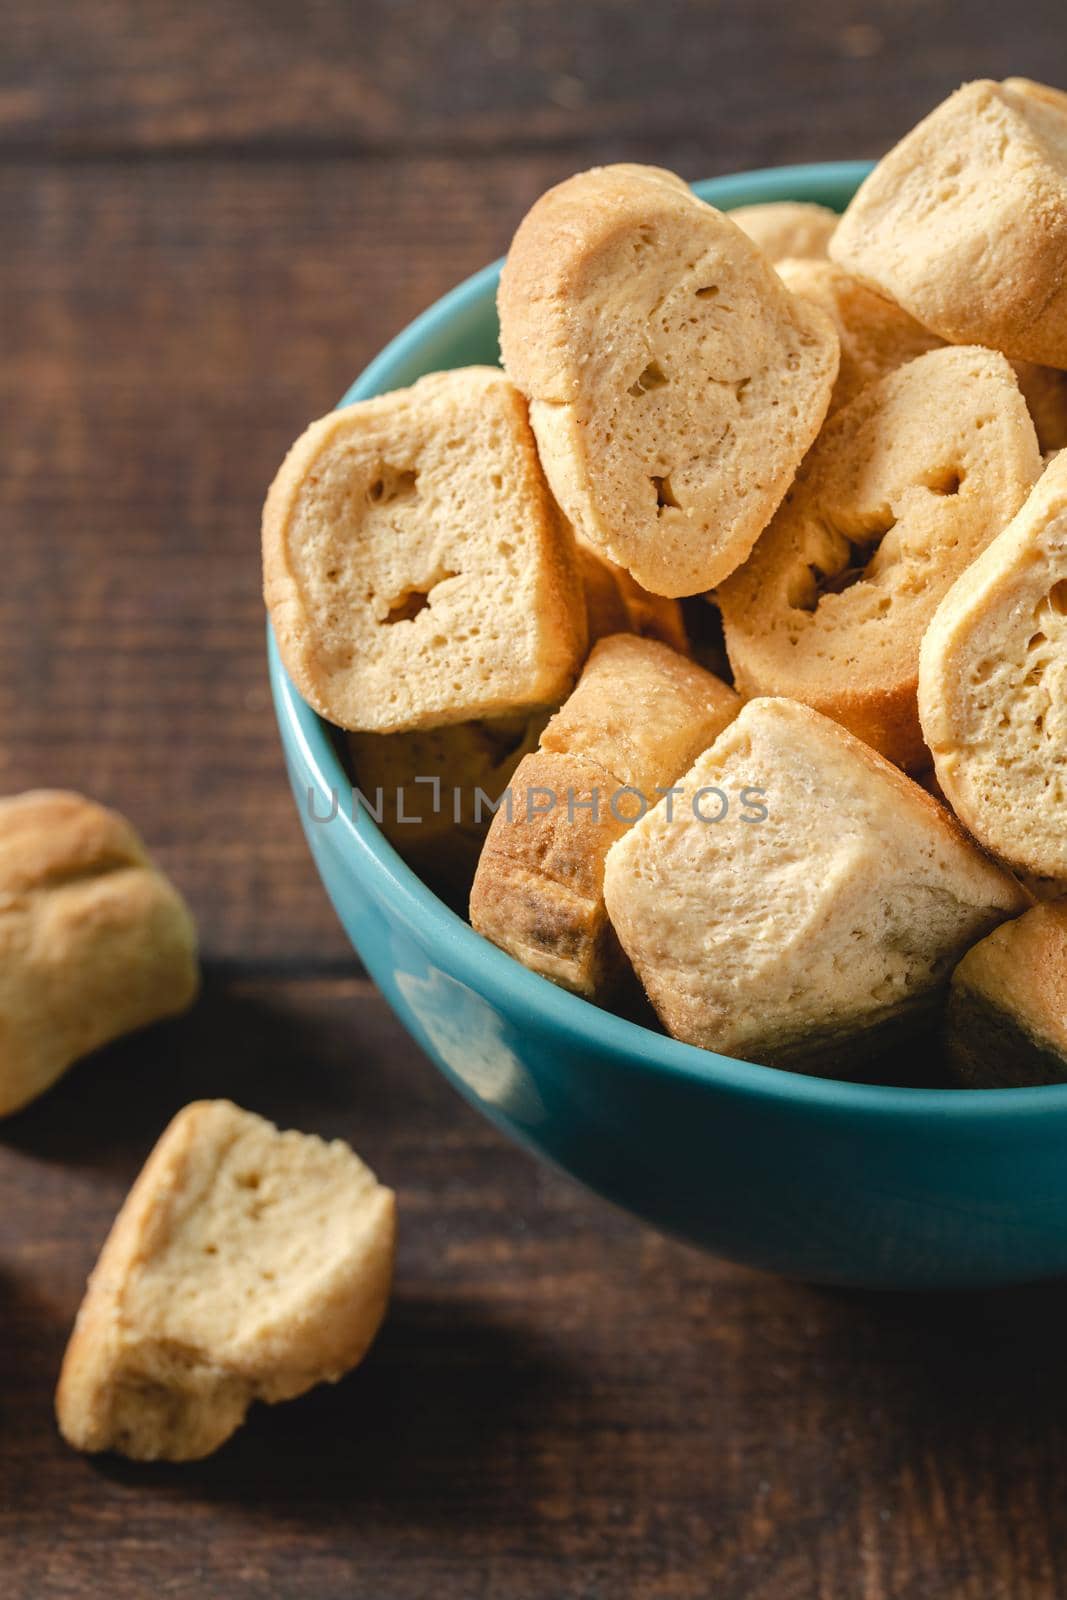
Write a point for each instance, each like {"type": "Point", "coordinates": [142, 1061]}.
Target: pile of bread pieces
{"type": "Point", "coordinates": [835, 437]}
{"type": "Point", "coordinates": [836, 434]}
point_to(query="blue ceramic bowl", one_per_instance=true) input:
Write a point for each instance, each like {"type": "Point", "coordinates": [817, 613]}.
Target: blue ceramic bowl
{"type": "Point", "coordinates": [831, 1182]}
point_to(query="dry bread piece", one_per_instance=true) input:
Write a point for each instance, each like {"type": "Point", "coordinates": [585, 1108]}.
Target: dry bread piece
{"type": "Point", "coordinates": [538, 892]}
{"type": "Point", "coordinates": [810, 931]}
{"type": "Point", "coordinates": [1045, 392]}
{"type": "Point", "coordinates": [246, 1264]}
{"type": "Point", "coordinates": [784, 228]}
{"type": "Point", "coordinates": [1007, 1010]}
{"type": "Point", "coordinates": [94, 941]}
{"type": "Point", "coordinates": [674, 383]}
{"type": "Point", "coordinates": [638, 716]}
{"type": "Point", "coordinates": [876, 337]}
{"type": "Point", "coordinates": [964, 222]}
{"type": "Point", "coordinates": [993, 687]}
{"type": "Point", "coordinates": [416, 569]}
{"type": "Point", "coordinates": [616, 603]}
{"type": "Point", "coordinates": [905, 487]}
{"type": "Point", "coordinates": [641, 712]}
{"type": "Point", "coordinates": [432, 791]}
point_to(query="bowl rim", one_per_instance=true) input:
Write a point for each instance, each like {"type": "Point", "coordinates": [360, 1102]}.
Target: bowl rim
{"type": "Point", "coordinates": [490, 972]}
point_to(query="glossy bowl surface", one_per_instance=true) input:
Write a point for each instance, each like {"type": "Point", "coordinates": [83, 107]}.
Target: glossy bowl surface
{"type": "Point", "coordinates": [827, 1181]}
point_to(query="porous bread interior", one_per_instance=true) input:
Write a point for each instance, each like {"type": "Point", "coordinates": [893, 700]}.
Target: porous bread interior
{"type": "Point", "coordinates": [993, 687]}
{"type": "Point", "coordinates": [674, 382]}
{"type": "Point", "coordinates": [417, 571]}
{"type": "Point", "coordinates": [845, 908]}
{"type": "Point", "coordinates": [876, 336]}
{"type": "Point", "coordinates": [903, 489]}
{"type": "Point", "coordinates": [247, 1264]}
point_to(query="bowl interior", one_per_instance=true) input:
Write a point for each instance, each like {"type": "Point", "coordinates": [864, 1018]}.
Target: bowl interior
{"type": "Point", "coordinates": [461, 329]}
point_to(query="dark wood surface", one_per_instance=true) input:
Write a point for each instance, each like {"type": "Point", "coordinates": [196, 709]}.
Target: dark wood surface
{"type": "Point", "coordinates": [213, 215]}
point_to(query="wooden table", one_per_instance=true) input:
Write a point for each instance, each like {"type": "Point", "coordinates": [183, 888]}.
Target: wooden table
{"type": "Point", "coordinates": [214, 213]}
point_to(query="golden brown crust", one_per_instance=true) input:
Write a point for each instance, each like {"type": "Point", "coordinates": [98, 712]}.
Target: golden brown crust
{"type": "Point", "coordinates": [641, 712]}
{"type": "Point", "coordinates": [538, 890]}
{"type": "Point", "coordinates": [904, 488]}
{"type": "Point", "coordinates": [94, 941]}
{"type": "Point", "coordinates": [416, 569]}
{"type": "Point", "coordinates": [638, 715]}
{"type": "Point", "coordinates": [244, 1264]}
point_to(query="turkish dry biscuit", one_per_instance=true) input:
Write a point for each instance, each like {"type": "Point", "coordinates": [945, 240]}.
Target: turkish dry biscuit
{"type": "Point", "coordinates": [876, 337]}
{"type": "Point", "coordinates": [807, 920]}
{"type": "Point", "coordinates": [904, 488]}
{"type": "Point", "coordinates": [433, 791]}
{"type": "Point", "coordinates": [616, 603]}
{"type": "Point", "coordinates": [784, 228]}
{"type": "Point", "coordinates": [993, 687]}
{"type": "Point", "coordinates": [674, 382]}
{"type": "Point", "coordinates": [95, 941]}
{"type": "Point", "coordinates": [246, 1264]}
{"type": "Point", "coordinates": [416, 569]}
{"type": "Point", "coordinates": [638, 716]}
{"type": "Point", "coordinates": [1007, 1010]}
{"type": "Point", "coordinates": [964, 222]}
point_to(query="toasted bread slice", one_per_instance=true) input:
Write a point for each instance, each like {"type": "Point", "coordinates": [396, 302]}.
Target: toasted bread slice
{"type": "Point", "coordinates": [993, 687]}
{"type": "Point", "coordinates": [831, 900]}
{"type": "Point", "coordinates": [674, 383]}
{"type": "Point", "coordinates": [96, 942]}
{"type": "Point", "coordinates": [876, 336]}
{"type": "Point", "coordinates": [246, 1264]}
{"type": "Point", "coordinates": [784, 228]}
{"type": "Point", "coordinates": [964, 222]}
{"type": "Point", "coordinates": [1007, 1010]}
{"type": "Point", "coordinates": [638, 716]}
{"type": "Point", "coordinates": [415, 567]}
{"type": "Point", "coordinates": [905, 487]}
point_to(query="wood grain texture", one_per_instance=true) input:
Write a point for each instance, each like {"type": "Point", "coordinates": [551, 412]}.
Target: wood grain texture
{"type": "Point", "coordinates": [213, 215]}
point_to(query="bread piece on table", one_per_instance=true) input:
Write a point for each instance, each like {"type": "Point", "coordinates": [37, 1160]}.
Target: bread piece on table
{"type": "Point", "coordinates": [246, 1264]}
{"type": "Point", "coordinates": [416, 569]}
{"type": "Point", "coordinates": [810, 931]}
{"type": "Point", "coordinates": [904, 488]}
{"type": "Point", "coordinates": [674, 382]}
{"type": "Point", "coordinates": [616, 603]}
{"type": "Point", "coordinates": [876, 336]}
{"type": "Point", "coordinates": [993, 687]}
{"type": "Point", "coordinates": [638, 716]}
{"type": "Point", "coordinates": [94, 940]}
{"type": "Point", "coordinates": [1007, 1010]}
{"type": "Point", "coordinates": [788, 228]}
{"type": "Point", "coordinates": [430, 789]}
{"type": "Point", "coordinates": [964, 222]}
